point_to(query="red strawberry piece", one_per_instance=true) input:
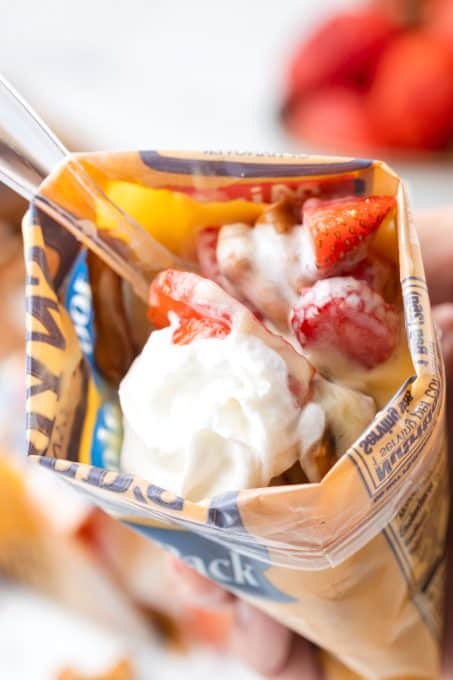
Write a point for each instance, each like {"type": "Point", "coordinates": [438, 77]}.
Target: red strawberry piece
{"type": "Point", "coordinates": [340, 229]}
{"type": "Point", "coordinates": [206, 247]}
{"type": "Point", "coordinates": [378, 274]}
{"type": "Point", "coordinates": [411, 101]}
{"type": "Point", "coordinates": [345, 315]}
{"type": "Point", "coordinates": [205, 310]}
{"type": "Point", "coordinates": [342, 51]}
{"type": "Point", "coordinates": [334, 118]}
{"type": "Point", "coordinates": [176, 292]}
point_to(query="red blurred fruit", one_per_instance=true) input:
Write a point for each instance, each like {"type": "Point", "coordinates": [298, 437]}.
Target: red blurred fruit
{"type": "Point", "coordinates": [334, 117]}
{"type": "Point", "coordinates": [440, 21]}
{"type": "Point", "coordinates": [411, 99]}
{"type": "Point", "coordinates": [342, 51]}
{"type": "Point", "coordinates": [406, 12]}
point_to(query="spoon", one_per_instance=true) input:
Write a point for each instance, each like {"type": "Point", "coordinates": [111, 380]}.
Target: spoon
{"type": "Point", "coordinates": [30, 151]}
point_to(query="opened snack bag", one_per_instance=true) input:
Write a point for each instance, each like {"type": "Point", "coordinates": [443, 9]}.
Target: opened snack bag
{"type": "Point", "coordinates": [263, 396]}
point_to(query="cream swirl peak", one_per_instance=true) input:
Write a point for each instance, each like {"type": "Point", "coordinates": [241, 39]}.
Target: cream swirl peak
{"type": "Point", "coordinates": [215, 414]}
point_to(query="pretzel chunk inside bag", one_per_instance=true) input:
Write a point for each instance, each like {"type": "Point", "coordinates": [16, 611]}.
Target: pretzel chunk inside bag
{"type": "Point", "coordinates": [281, 427]}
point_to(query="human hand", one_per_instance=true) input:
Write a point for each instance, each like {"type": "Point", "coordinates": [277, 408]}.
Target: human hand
{"type": "Point", "coordinates": [263, 644]}
{"type": "Point", "coordinates": [435, 230]}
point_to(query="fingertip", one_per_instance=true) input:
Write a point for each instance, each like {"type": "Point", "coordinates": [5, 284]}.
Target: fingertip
{"type": "Point", "coordinates": [258, 640]}
{"type": "Point", "coordinates": [196, 588]}
{"type": "Point", "coordinates": [434, 230]}
{"type": "Point", "coordinates": [443, 318]}
{"type": "Point", "coordinates": [302, 662]}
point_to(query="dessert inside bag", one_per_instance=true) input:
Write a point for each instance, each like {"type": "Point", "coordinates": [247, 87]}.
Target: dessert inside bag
{"type": "Point", "coordinates": [281, 417]}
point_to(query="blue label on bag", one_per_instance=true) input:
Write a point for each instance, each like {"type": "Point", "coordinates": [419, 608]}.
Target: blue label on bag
{"type": "Point", "coordinates": [107, 429]}
{"type": "Point", "coordinates": [234, 571]}
{"type": "Point", "coordinates": [79, 303]}
{"type": "Point", "coordinates": [107, 437]}
{"type": "Point", "coordinates": [215, 556]}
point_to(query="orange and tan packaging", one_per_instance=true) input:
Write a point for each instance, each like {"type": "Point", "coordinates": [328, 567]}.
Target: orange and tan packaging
{"type": "Point", "coordinates": [354, 563]}
{"type": "Point", "coordinates": [41, 518]}
{"type": "Point", "coordinates": [47, 529]}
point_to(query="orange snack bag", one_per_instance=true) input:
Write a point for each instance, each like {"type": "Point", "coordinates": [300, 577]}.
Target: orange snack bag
{"type": "Point", "coordinates": [355, 563]}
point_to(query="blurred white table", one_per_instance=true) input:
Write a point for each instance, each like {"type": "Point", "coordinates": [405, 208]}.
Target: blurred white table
{"type": "Point", "coordinates": [39, 638]}
{"type": "Point", "coordinates": [159, 74]}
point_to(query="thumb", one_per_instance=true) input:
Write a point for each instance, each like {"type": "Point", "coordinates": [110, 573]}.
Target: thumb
{"type": "Point", "coordinates": [443, 318]}
{"type": "Point", "coordinates": [434, 230]}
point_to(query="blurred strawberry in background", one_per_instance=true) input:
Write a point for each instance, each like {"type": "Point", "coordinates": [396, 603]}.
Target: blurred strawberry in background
{"type": "Point", "coordinates": [439, 19]}
{"type": "Point", "coordinates": [411, 98]}
{"type": "Point", "coordinates": [379, 77]}
{"type": "Point", "coordinates": [332, 118]}
{"type": "Point", "coordinates": [343, 51]}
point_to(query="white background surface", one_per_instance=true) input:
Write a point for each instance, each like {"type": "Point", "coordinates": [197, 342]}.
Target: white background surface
{"type": "Point", "coordinates": [39, 638]}
{"type": "Point", "coordinates": [150, 74]}
{"type": "Point", "coordinates": [155, 73]}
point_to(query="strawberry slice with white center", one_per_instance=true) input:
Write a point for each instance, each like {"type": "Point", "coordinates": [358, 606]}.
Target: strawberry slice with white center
{"type": "Point", "coordinates": [346, 315]}
{"type": "Point", "coordinates": [340, 229]}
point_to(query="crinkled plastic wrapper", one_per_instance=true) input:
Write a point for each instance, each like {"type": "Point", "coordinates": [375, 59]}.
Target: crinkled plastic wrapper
{"type": "Point", "coordinates": [355, 563]}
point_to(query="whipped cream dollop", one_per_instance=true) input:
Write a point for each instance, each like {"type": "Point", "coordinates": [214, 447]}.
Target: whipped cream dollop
{"type": "Point", "coordinates": [267, 267]}
{"type": "Point", "coordinates": [210, 416]}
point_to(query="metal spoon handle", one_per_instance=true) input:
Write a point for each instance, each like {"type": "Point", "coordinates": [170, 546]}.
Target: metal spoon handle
{"type": "Point", "coordinates": [29, 152]}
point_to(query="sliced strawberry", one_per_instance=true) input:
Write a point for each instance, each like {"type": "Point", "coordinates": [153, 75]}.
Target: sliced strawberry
{"type": "Point", "coordinates": [348, 316]}
{"type": "Point", "coordinates": [175, 291]}
{"type": "Point", "coordinates": [410, 103]}
{"type": "Point", "coordinates": [342, 51]}
{"type": "Point", "coordinates": [340, 229]}
{"type": "Point", "coordinates": [191, 329]}
{"type": "Point", "coordinates": [205, 310]}
{"type": "Point", "coordinates": [333, 118]}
